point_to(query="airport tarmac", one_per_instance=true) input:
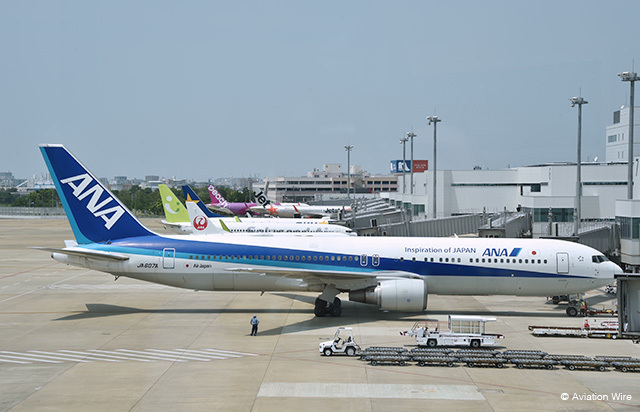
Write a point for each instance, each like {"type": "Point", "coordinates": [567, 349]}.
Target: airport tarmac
{"type": "Point", "coordinates": [74, 339]}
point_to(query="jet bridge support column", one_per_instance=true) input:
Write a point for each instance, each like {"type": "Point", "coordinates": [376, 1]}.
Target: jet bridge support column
{"type": "Point", "coordinates": [628, 287]}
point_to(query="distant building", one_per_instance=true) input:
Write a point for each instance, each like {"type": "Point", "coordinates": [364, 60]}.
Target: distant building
{"type": "Point", "coordinates": [618, 135]}
{"type": "Point", "coordinates": [325, 184]}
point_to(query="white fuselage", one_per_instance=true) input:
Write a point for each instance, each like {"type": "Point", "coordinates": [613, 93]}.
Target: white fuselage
{"type": "Point", "coordinates": [448, 265]}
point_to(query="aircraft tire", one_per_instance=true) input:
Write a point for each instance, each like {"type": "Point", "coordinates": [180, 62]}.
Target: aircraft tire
{"type": "Point", "coordinates": [320, 310]}
{"type": "Point", "coordinates": [572, 311]}
{"type": "Point", "coordinates": [335, 311]}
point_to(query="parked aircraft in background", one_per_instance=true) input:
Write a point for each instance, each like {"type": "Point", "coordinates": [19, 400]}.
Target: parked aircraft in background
{"type": "Point", "coordinates": [178, 219]}
{"type": "Point", "coordinates": [391, 273]}
{"type": "Point", "coordinates": [219, 204]}
{"type": "Point", "coordinates": [296, 210]}
{"type": "Point", "coordinates": [201, 224]}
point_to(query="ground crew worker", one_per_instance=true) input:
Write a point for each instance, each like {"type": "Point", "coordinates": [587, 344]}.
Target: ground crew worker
{"type": "Point", "coordinates": [254, 325]}
{"type": "Point", "coordinates": [583, 307]}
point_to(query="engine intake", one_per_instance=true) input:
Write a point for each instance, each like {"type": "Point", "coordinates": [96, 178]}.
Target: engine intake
{"type": "Point", "coordinates": [405, 295]}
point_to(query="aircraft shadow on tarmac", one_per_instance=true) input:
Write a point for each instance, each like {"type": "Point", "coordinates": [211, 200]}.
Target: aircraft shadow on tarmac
{"type": "Point", "coordinates": [353, 313]}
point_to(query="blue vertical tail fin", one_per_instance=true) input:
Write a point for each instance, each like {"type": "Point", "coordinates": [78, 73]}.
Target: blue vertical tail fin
{"type": "Point", "coordinates": [95, 215]}
{"type": "Point", "coordinates": [191, 196]}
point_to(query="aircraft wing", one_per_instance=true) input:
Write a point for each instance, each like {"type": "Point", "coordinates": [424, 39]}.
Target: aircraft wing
{"type": "Point", "coordinates": [94, 254]}
{"type": "Point", "coordinates": [221, 210]}
{"type": "Point", "coordinates": [330, 276]}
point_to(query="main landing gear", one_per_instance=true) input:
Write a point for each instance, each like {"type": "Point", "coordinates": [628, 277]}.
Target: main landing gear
{"type": "Point", "coordinates": [323, 307]}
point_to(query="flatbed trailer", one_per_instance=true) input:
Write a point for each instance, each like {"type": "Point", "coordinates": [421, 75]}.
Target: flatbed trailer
{"type": "Point", "coordinates": [461, 331]}
{"type": "Point", "coordinates": [522, 363]}
{"type": "Point", "coordinates": [387, 359]}
{"type": "Point", "coordinates": [585, 364]}
{"type": "Point", "coordinates": [592, 328]}
{"type": "Point", "coordinates": [626, 366]}
{"type": "Point", "coordinates": [484, 361]}
{"type": "Point", "coordinates": [424, 360]}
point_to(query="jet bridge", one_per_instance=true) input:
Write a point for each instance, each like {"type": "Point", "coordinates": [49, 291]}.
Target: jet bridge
{"type": "Point", "coordinates": [629, 306]}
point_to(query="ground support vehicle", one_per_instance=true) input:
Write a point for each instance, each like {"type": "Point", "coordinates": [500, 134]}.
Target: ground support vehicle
{"type": "Point", "coordinates": [472, 361]}
{"type": "Point", "coordinates": [567, 357]}
{"type": "Point", "coordinates": [342, 342]}
{"type": "Point", "coordinates": [523, 354]}
{"type": "Point", "coordinates": [572, 364]}
{"type": "Point", "coordinates": [382, 351]}
{"type": "Point", "coordinates": [438, 360]}
{"type": "Point", "coordinates": [592, 328]}
{"type": "Point", "coordinates": [387, 359]}
{"type": "Point", "coordinates": [481, 353]}
{"type": "Point", "coordinates": [625, 366]}
{"type": "Point", "coordinates": [534, 363]}
{"type": "Point", "coordinates": [462, 331]}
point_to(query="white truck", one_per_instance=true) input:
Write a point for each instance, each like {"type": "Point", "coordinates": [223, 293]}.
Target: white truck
{"type": "Point", "coordinates": [461, 331]}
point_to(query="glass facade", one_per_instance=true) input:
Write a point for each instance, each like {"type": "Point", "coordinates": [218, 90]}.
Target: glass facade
{"type": "Point", "coordinates": [629, 227]}
{"type": "Point", "coordinates": [559, 214]}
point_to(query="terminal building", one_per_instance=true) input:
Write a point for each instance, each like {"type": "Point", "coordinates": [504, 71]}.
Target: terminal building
{"type": "Point", "coordinates": [330, 183]}
{"type": "Point", "coordinates": [546, 191]}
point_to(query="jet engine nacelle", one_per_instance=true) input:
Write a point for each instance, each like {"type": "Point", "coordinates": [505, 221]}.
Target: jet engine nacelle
{"type": "Point", "coordinates": [405, 295]}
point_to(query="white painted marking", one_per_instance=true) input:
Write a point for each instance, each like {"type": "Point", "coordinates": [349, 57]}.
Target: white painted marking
{"type": "Point", "coordinates": [204, 353]}
{"type": "Point", "coordinates": [180, 355]}
{"type": "Point", "coordinates": [26, 357]}
{"type": "Point", "coordinates": [121, 355]}
{"type": "Point", "coordinates": [57, 356]}
{"type": "Point", "coordinates": [86, 355]}
{"type": "Point", "coordinates": [357, 390]}
{"type": "Point", "coordinates": [144, 355]}
{"type": "Point", "coordinates": [228, 351]}
{"type": "Point", "coordinates": [11, 361]}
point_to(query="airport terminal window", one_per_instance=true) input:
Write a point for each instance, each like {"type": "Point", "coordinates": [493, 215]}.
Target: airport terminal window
{"type": "Point", "coordinates": [629, 227]}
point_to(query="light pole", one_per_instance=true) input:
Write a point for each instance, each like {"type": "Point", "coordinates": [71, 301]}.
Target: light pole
{"type": "Point", "coordinates": [630, 77]}
{"type": "Point", "coordinates": [403, 141]}
{"type": "Point", "coordinates": [411, 135]}
{"type": "Point", "coordinates": [576, 224]}
{"type": "Point", "coordinates": [348, 148]}
{"type": "Point", "coordinates": [434, 120]}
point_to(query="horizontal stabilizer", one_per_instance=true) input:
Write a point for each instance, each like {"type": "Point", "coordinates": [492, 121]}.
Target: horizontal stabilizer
{"type": "Point", "coordinates": [93, 254]}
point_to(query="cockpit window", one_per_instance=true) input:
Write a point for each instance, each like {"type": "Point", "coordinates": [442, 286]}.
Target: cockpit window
{"type": "Point", "coordinates": [599, 258]}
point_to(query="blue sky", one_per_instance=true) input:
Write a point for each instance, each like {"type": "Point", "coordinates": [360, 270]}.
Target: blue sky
{"type": "Point", "coordinates": [206, 89]}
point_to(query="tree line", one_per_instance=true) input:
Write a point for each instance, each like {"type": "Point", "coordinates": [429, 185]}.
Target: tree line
{"type": "Point", "coordinates": [145, 201]}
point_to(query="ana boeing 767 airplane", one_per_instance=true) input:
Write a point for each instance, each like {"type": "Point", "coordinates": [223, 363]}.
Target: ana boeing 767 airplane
{"type": "Point", "coordinates": [391, 273]}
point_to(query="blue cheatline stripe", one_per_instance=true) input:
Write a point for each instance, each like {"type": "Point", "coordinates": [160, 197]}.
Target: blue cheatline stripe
{"type": "Point", "coordinates": [186, 249]}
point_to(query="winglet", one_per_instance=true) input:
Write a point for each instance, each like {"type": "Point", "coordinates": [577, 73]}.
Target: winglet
{"type": "Point", "coordinates": [94, 213]}
{"type": "Point", "coordinates": [224, 227]}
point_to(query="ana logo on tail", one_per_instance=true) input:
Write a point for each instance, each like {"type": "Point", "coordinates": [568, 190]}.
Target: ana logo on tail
{"type": "Point", "coordinates": [80, 191]}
